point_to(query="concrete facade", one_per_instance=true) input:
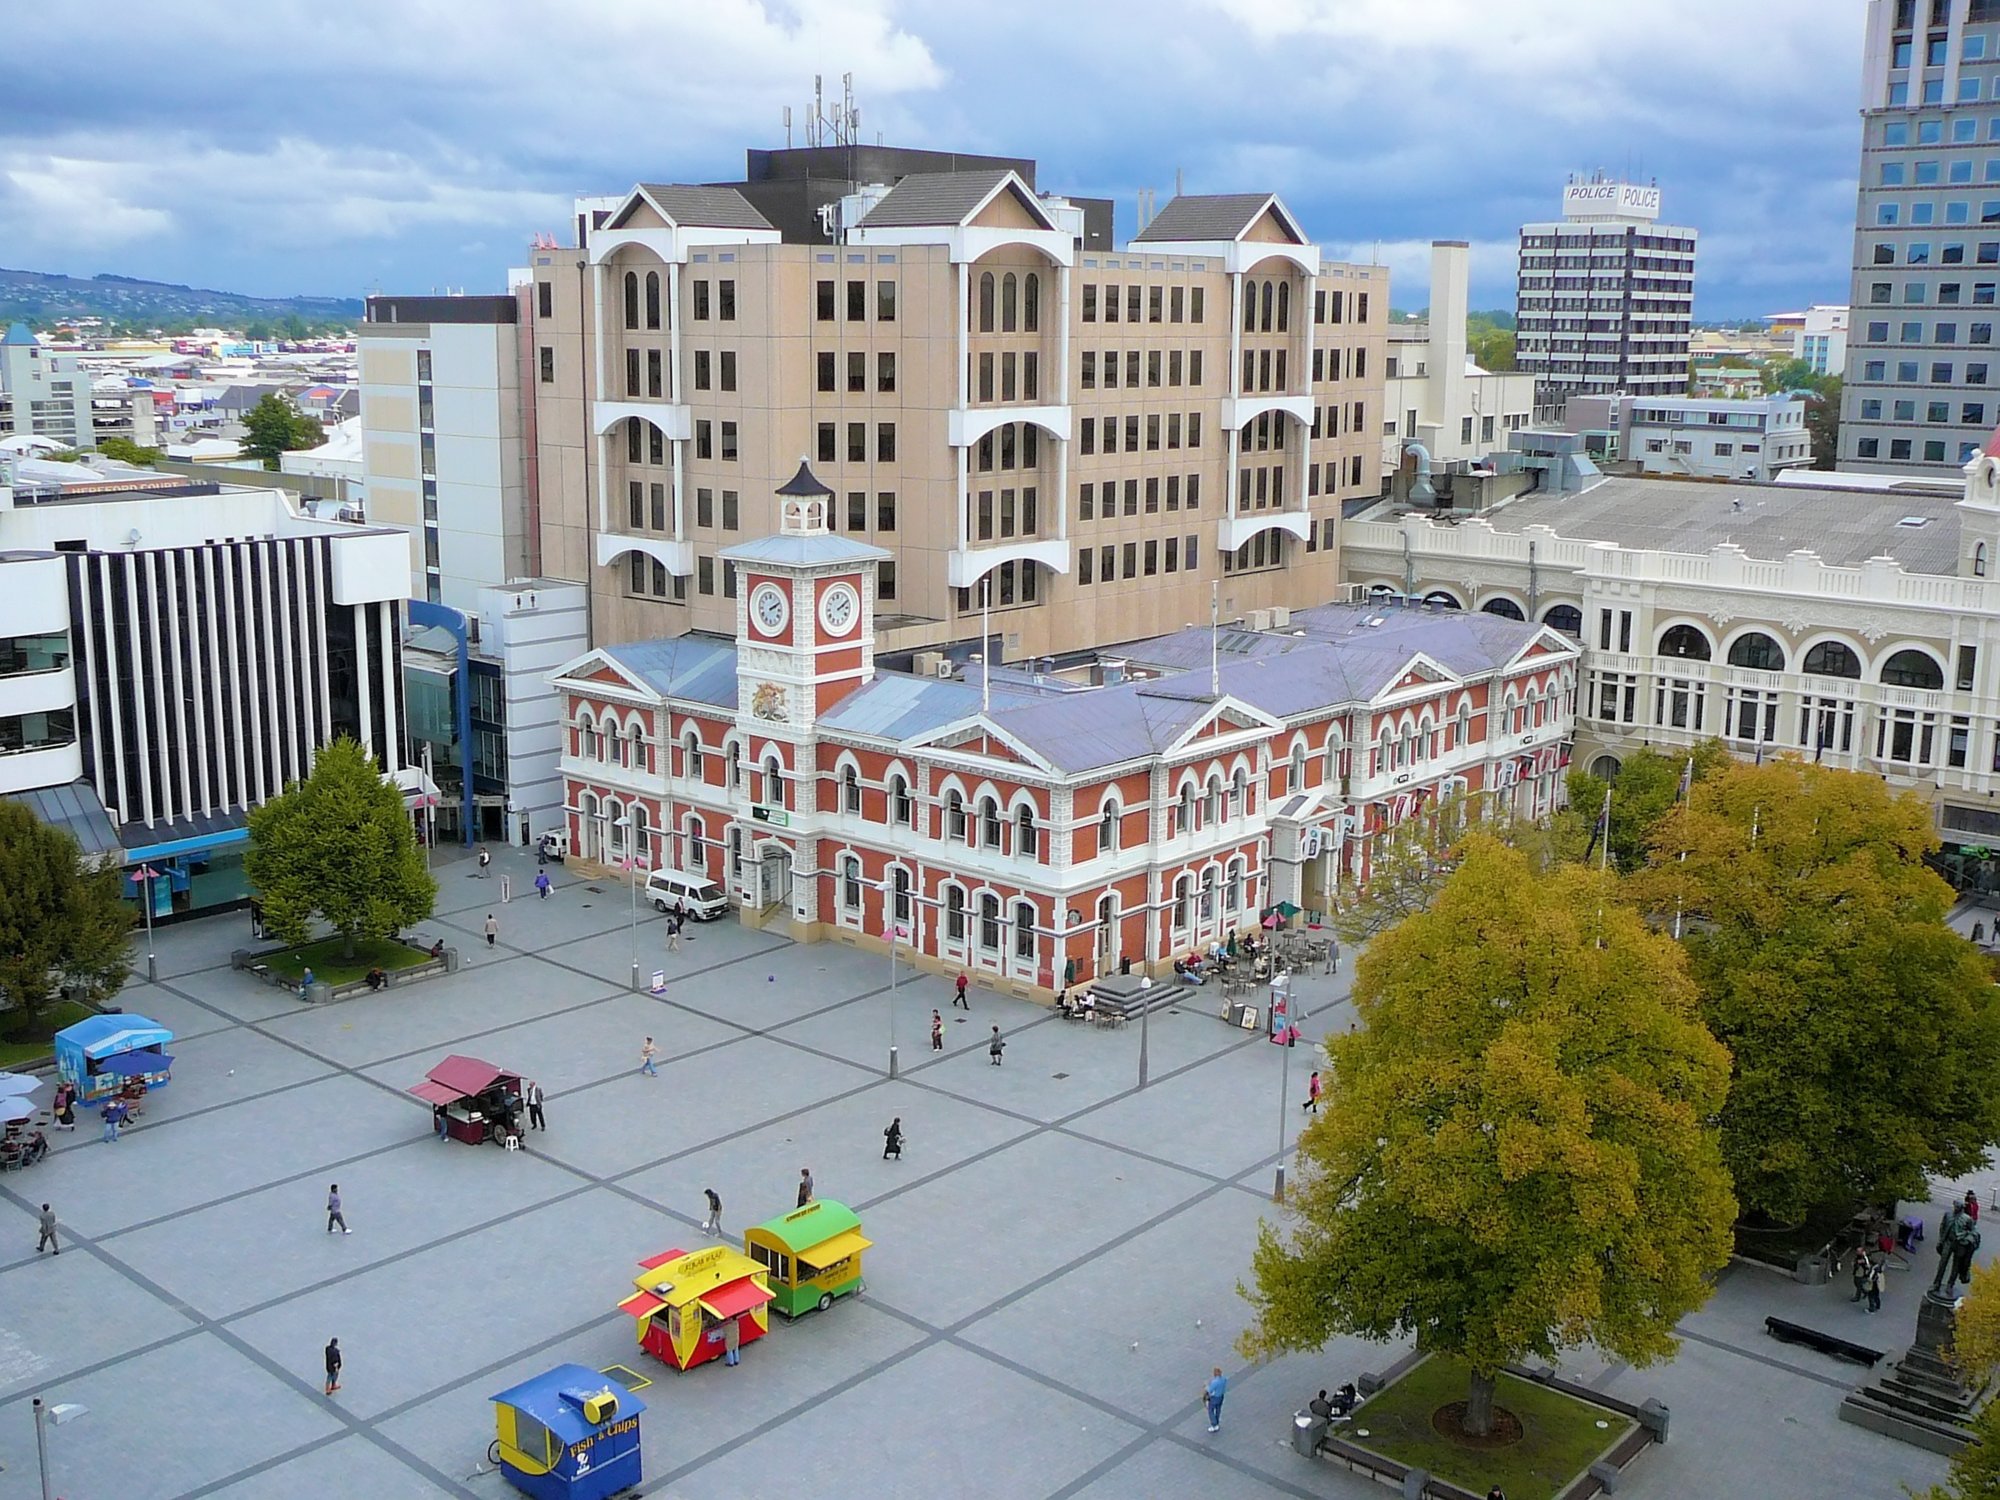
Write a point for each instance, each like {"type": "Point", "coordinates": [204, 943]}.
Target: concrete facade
{"type": "Point", "coordinates": [1434, 394]}
{"type": "Point", "coordinates": [1752, 438]}
{"type": "Point", "coordinates": [43, 393]}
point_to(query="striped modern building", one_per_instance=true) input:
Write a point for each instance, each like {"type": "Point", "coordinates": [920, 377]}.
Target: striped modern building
{"type": "Point", "coordinates": [170, 659]}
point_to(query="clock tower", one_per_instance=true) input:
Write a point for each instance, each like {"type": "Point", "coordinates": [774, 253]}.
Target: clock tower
{"type": "Point", "coordinates": [805, 615]}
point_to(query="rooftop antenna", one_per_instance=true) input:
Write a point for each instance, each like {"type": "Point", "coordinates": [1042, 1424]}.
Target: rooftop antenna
{"type": "Point", "coordinates": [788, 127]}
{"type": "Point", "coordinates": [1177, 182]}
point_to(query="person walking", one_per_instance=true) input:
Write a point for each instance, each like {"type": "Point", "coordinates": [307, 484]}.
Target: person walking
{"type": "Point", "coordinates": [543, 885]}
{"type": "Point", "coordinates": [892, 1140]}
{"type": "Point", "coordinates": [958, 995]}
{"type": "Point", "coordinates": [1875, 1284]}
{"type": "Point", "coordinates": [680, 913]}
{"type": "Point", "coordinates": [1496, 1493]}
{"type": "Point", "coordinates": [333, 1214]}
{"type": "Point", "coordinates": [533, 1097]}
{"type": "Point", "coordinates": [47, 1238]}
{"type": "Point", "coordinates": [485, 859]}
{"type": "Point", "coordinates": [1972, 1205]}
{"type": "Point", "coordinates": [673, 934]}
{"type": "Point", "coordinates": [1333, 955]}
{"type": "Point", "coordinates": [995, 1047]}
{"type": "Point", "coordinates": [1213, 1392]}
{"type": "Point", "coordinates": [729, 1341]}
{"type": "Point", "coordinates": [713, 1223]}
{"type": "Point", "coordinates": [332, 1366]}
{"type": "Point", "coordinates": [937, 1032]}
{"type": "Point", "coordinates": [1863, 1271]}
{"type": "Point", "coordinates": [1313, 1088]}
{"type": "Point", "coordinates": [646, 1054]}
{"type": "Point", "coordinates": [492, 929]}
{"type": "Point", "coordinates": [805, 1186]}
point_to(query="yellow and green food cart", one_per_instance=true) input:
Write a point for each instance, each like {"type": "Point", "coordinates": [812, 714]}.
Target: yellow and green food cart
{"type": "Point", "coordinates": [811, 1255]}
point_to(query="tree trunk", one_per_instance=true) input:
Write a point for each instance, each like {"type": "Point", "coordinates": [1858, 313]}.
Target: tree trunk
{"type": "Point", "coordinates": [347, 944]}
{"type": "Point", "coordinates": [1479, 1406]}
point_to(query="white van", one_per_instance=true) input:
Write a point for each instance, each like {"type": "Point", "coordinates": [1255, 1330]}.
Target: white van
{"type": "Point", "coordinates": [701, 896]}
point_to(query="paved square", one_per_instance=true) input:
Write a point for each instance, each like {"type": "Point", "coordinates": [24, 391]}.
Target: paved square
{"type": "Point", "coordinates": [1055, 1271]}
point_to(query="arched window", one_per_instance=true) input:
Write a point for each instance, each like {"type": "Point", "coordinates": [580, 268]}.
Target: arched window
{"type": "Point", "coordinates": [691, 755]}
{"type": "Point", "coordinates": [954, 815]}
{"type": "Point", "coordinates": [652, 299]}
{"type": "Point", "coordinates": [1507, 609]}
{"type": "Point", "coordinates": [1979, 560]}
{"type": "Point", "coordinates": [954, 913]}
{"type": "Point", "coordinates": [1833, 659]}
{"type": "Point", "coordinates": [1184, 810]}
{"type": "Point", "coordinates": [1239, 794]}
{"type": "Point", "coordinates": [1564, 617]}
{"type": "Point", "coordinates": [899, 881]}
{"type": "Point", "coordinates": [1211, 803]}
{"type": "Point", "coordinates": [900, 810]}
{"type": "Point", "coordinates": [586, 814]}
{"type": "Point", "coordinates": [1686, 642]}
{"type": "Point", "coordinates": [1249, 307]}
{"type": "Point", "coordinates": [1208, 894]}
{"type": "Point", "coordinates": [986, 302]}
{"type": "Point", "coordinates": [1010, 294]}
{"type": "Point", "coordinates": [1107, 827]}
{"type": "Point", "coordinates": [694, 852]}
{"type": "Point", "coordinates": [732, 755]}
{"type": "Point", "coordinates": [1912, 669]}
{"type": "Point", "coordinates": [637, 740]}
{"type": "Point", "coordinates": [1605, 768]}
{"type": "Point", "coordinates": [850, 790]}
{"type": "Point", "coordinates": [1232, 888]}
{"type": "Point", "coordinates": [989, 922]}
{"type": "Point", "coordinates": [1284, 306]}
{"type": "Point", "coordinates": [1024, 930]}
{"type": "Point", "coordinates": [1031, 303]}
{"type": "Point", "coordinates": [642, 837]}
{"type": "Point", "coordinates": [1758, 651]}
{"type": "Point", "coordinates": [774, 782]}
{"type": "Point", "coordinates": [1295, 783]}
{"type": "Point", "coordinates": [614, 828]}
{"type": "Point", "coordinates": [1464, 724]}
{"type": "Point", "coordinates": [1183, 902]}
{"type": "Point", "coordinates": [850, 884]}
{"type": "Point", "coordinates": [631, 299]}
{"type": "Point", "coordinates": [989, 823]}
{"type": "Point", "coordinates": [1027, 842]}
{"type": "Point", "coordinates": [1439, 599]}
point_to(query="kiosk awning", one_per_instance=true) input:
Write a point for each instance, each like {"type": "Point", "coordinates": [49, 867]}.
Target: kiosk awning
{"type": "Point", "coordinates": [436, 1093]}
{"type": "Point", "coordinates": [641, 1304]}
{"type": "Point", "coordinates": [736, 1298]}
{"type": "Point", "coordinates": [826, 1252]}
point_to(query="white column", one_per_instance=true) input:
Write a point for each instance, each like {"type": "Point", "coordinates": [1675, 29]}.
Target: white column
{"type": "Point", "coordinates": [598, 279]}
{"type": "Point", "coordinates": [963, 338]}
{"type": "Point", "coordinates": [964, 499]}
{"type": "Point", "coordinates": [678, 393]}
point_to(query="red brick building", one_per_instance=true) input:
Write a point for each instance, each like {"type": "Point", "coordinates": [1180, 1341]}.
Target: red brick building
{"type": "Point", "coordinates": [1021, 824]}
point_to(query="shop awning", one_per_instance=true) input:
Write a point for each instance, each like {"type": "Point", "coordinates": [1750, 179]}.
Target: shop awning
{"type": "Point", "coordinates": [641, 1304]}
{"type": "Point", "coordinates": [826, 1252]}
{"type": "Point", "coordinates": [735, 1299]}
{"type": "Point", "coordinates": [436, 1093]}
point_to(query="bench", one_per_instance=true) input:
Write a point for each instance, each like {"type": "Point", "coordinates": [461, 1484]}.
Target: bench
{"type": "Point", "coordinates": [1827, 1343]}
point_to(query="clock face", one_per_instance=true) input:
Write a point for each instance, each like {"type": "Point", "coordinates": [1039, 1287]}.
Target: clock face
{"type": "Point", "coordinates": [839, 608]}
{"type": "Point", "coordinates": [770, 608]}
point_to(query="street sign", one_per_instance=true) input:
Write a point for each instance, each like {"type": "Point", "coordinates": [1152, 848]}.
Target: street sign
{"type": "Point", "coordinates": [777, 817]}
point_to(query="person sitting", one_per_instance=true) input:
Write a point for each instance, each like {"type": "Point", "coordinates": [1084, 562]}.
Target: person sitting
{"type": "Point", "coordinates": [1320, 1407]}
{"type": "Point", "coordinates": [35, 1150]}
{"type": "Point", "coordinates": [1345, 1399]}
{"type": "Point", "coordinates": [376, 979]}
{"type": "Point", "coordinates": [1188, 973]}
{"type": "Point", "coordinates": [437, 949]}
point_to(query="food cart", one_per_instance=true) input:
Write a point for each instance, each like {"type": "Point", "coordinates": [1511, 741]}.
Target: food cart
{"type": "Point", "coordinates": [685, 1302]}
{"type": "Point", "coordinates": [107, 1055]}
{"type": "Point", "coordinates": [472, 1099]}
{"type": "Point", "coordinates": [813, 1255]}
{"type": "Point", "coordinates": [568, 1434]}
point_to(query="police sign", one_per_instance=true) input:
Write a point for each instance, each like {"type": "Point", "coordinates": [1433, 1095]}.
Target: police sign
{"type": "Point", "coordinates": [1586, 200]}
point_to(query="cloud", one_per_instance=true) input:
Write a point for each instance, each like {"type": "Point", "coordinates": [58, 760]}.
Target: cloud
{"type": "Point", "coordinates": [412, 141]}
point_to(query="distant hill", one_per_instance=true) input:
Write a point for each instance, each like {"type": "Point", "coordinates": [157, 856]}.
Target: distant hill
{"type": "Point", "coordinates": [41, 300]}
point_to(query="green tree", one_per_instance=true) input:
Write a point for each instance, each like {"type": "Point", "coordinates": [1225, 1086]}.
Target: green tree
{"type": "Point", "coordinates": [1823, 422]}
{"type": "Point", "coordinates": [274, 426]}
{"type": "Point", "coordinates": [339, 846]}
{"type": "Point", "coordinates": [1520, 1154]}
{"type": "Point", "coordinates": [258, 332]}
{"type": "Point", "coordinates": [63, 921]}
{"type": "Point", "coordinates": [1788, 375]}
{"type": "Point", "coordinates": [1492, 348]}
{"type": "Point", "coordinates": [128, 452]}
{"type": "Point", "coordinates": [1645, 789]}
{"type": "Point", "coordinates": [1866, 1033]}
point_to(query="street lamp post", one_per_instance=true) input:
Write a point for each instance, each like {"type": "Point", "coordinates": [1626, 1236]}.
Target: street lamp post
{"type": "Point", "coordinates": [1280, 986]}
{"type": "Point", "coordinates": [61, 1412]}
{"type": "Point", "coordinates": [1145, 1010]}
{"type": "Point", "coordinates": [632, 875]}
{"type": "Point", "coordinates": [143, 877]}
{"type": "Point", "coordinates": [892, 932]}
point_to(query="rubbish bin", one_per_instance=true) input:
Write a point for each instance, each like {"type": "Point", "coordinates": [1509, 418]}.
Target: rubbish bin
{"type": "Point", "coordinates": [1308, 1431]}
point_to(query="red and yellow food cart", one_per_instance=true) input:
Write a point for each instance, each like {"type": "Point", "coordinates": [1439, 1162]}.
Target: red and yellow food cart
{"type": "Point", "coordinates": [686, 1302]}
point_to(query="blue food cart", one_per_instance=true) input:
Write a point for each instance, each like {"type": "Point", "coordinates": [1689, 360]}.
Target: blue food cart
{"type": "Point", "coordinates": [568, 1434]}
{"type": "Point", "coordinates": [103, 1055]}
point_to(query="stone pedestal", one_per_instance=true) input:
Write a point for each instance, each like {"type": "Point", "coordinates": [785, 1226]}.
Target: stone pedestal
{"type": "Point", "coordinates": [1922, 1400]}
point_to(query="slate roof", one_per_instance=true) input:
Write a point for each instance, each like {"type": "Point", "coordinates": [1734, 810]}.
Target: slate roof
{"type": "Point", "coordinates": [1204, 216]}
{"type": "Point", "coordinates": [698, 669]}
{"type": "Point", "coordinates": [1845, 527]}
{"type": "Point", "coordinates": [705, 207]}
{"type": "Point", "coordinates": [931, 198]}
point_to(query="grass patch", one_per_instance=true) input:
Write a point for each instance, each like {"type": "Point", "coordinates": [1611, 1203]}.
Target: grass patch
{"type": "Point", "coordinates": [1560, 1436]}
{"type": "Point", "coordinates": [1781, 1245]}
{"type": "Point", "coordinates": [329, 967]}
{"type": "Point", "coordinates": [23, 1041]}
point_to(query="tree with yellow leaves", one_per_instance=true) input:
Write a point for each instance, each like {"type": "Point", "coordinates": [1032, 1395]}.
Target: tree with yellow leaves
{"type": "Point", "coordinates": [1865, 1032]}
{"type": "Point", "coordinates": [1975, 1349]}
{"type": "Point", "coordinates": [1520, 1153]}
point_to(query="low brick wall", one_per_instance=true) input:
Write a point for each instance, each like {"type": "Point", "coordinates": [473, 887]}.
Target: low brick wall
{"type": "Point", "coordinates": [254, 961]}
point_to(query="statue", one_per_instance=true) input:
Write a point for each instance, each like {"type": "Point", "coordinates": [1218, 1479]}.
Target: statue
{"type": "Point", "coordinates": [1958, 1238]}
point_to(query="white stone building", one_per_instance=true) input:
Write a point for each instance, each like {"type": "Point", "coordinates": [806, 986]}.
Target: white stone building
{"type": "Point", "coordinates": [1752, 438]}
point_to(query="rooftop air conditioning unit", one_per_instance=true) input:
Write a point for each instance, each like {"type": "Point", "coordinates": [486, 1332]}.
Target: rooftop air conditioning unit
{"type": "Point", "coordinates": [1281, 616]}
{"type": "Point", "coordinates": [1260, 619]}
{"type": "Point", "coordinates": [933, 664]}
{"type": "Point", "coordinates": [942, 667]}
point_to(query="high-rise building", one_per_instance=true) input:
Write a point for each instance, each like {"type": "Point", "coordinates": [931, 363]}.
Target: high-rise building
{"type": "Point", "coordinates": [1606, 295]}
{"type": "Point", "coordinates": [1918, 395]}
{"type": "Point", "coordinates": [1022, 415]}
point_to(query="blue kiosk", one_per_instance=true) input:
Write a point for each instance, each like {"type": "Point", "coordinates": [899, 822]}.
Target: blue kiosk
{"type": "Point", "coordinates": [569, 1434]}
{"type": "Point", "coordinates": [101, 1055]}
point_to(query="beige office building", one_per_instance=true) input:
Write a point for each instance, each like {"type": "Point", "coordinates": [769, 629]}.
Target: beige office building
{"type": "Point", "coordinates": [1092, 437]}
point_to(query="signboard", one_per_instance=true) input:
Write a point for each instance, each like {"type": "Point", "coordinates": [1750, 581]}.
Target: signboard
{"type": "Point", "coordinates": [659, 981]}
{"type": "Point", "coordinates": [777, 817]}
{"type": "Point", "coordinates": [1618, 200]}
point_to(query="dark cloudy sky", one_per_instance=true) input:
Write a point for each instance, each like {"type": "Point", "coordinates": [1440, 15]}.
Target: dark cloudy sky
{"type": "Point", "coordinates": [403, 145]}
